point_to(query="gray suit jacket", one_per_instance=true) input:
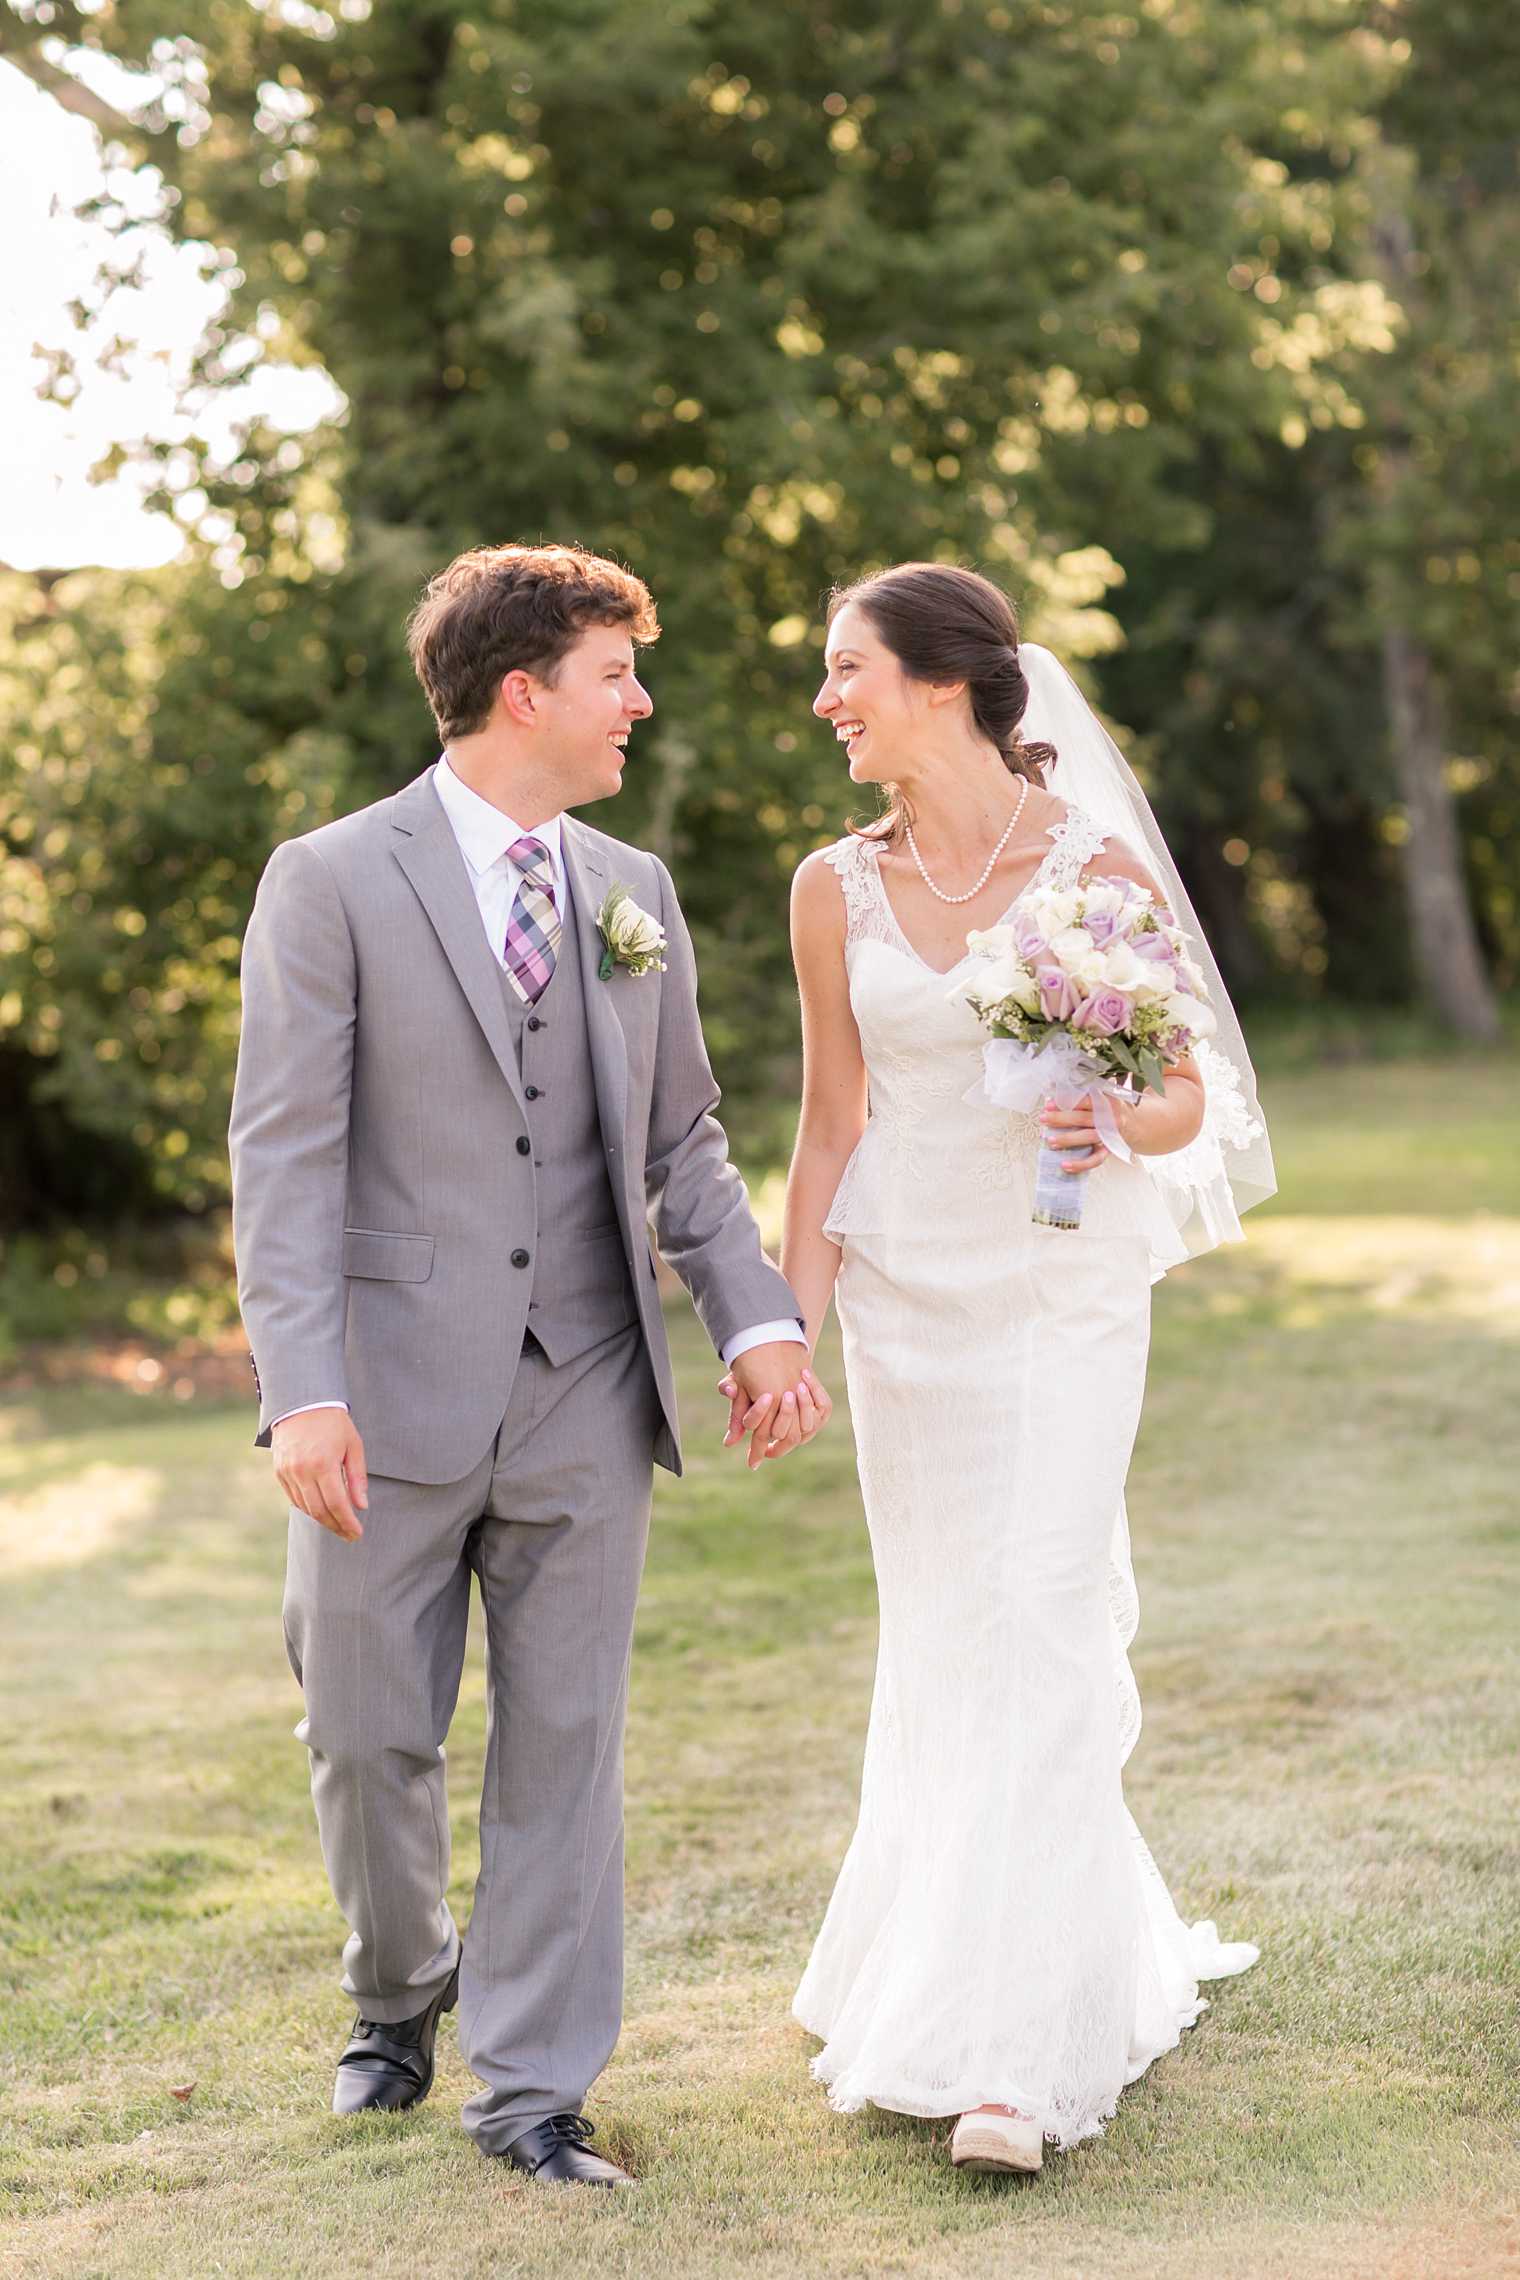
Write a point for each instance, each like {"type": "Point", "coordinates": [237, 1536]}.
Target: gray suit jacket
{"type": "Point", "coordinates": [378, 1192]}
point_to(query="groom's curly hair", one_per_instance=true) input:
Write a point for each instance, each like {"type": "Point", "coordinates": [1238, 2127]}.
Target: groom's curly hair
{"type": "Point", "coordinates": [497, 609]}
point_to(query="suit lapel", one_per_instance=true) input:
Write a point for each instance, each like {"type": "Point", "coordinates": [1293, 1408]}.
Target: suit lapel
{"type": "Point", "coordinates": [586, 870]}
{"type": "Point", "coordinates": [428, 853]}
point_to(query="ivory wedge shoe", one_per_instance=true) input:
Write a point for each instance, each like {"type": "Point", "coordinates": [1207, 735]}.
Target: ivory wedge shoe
{"type": "Point", "coordinates": [998, 2141]}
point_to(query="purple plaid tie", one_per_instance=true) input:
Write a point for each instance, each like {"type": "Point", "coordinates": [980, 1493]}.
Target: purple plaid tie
{"type": "Point", "coordinates": [534, 927]}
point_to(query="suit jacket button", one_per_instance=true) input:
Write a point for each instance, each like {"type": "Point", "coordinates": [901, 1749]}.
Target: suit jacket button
{"type": "Point", "coordinates": [524, 1147]}
{"type": "Point", "coordinates": [534, 1022]}
{"type": "Point", "coordinates": [530, 1092]}
{"type": "Point", "coordinates": [519, 1258]}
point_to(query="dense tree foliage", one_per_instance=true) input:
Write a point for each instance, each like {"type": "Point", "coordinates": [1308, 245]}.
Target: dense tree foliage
{"type": "Point", "coordinates": [1187, 319]}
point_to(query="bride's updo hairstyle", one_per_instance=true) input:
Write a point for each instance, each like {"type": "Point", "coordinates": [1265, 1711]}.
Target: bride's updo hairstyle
{"type": "Point", "coordinates": [943, 623]}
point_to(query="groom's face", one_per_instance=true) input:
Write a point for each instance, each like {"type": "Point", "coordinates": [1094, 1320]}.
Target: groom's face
{"type": "Point", "coordinates": [587, 713]}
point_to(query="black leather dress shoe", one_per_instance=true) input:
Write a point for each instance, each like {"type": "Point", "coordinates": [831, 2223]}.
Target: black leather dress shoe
{"type": "Point", "coordinates": [556, 2153]}
{"type": "Point", "coordinates": [389, 2064]}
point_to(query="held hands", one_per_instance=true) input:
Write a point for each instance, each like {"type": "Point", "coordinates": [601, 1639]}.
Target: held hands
{"type": "Point", "coordinates": [319, 1463]}
{"type": "Point", "coordinates": [774, 1397]}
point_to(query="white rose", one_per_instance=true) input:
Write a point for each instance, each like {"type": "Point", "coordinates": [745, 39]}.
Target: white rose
{"type": "Point", "coordinates": [1099, 895]}
{"type": "Point", "coordinates": [633, 938]}
{"type": "Point", "coordinates": [990, 941]}
{"type": "Point", "coordinates": [1052, 912]}
{"type": "Point", "coordinates": [1154, 985]}
{"type": "Point", "coordinates": [1091, 970]}
{"type": "Point", "coordinates": [1122, 970]}
{"type": "Point", "coordinates": [634, 933]}
{"type": "Point", "coordinates": [1071, 944]}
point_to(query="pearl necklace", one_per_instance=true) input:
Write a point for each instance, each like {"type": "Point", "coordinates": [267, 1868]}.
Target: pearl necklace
{"type": "Point", "coordinates": [971, 892]}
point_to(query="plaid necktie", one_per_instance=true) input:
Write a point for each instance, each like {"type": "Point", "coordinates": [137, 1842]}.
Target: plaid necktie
{"type": "Point", "coordinates": [533, 929]}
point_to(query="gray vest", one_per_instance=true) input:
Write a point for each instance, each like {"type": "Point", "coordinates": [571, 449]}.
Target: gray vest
{"type": "Point", "coordinates": [581, 1290]}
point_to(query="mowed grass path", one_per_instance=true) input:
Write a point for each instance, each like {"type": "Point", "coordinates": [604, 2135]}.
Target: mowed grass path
{"type": "Point", "coordinates": [1324, 1510]}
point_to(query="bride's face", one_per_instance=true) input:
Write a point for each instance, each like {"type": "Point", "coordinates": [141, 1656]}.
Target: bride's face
{"type": "Point", "coordinates": [867, 698]}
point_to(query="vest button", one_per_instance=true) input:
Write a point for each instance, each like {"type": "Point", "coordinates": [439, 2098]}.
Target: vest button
{"type": "Point", "coordinates": [530, 1092]}
{"type": "Point", "coordinates": [524, 1146]}
{"type": "Point", "coordinates": [519, 1258]}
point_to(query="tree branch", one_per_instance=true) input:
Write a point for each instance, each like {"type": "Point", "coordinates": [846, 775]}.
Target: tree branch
{"type": "Point", "coordinates": [72, 94]}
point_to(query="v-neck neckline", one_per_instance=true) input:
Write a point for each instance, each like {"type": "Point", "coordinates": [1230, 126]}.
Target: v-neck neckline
{"type": "Point", "coordinates": [943, 973]}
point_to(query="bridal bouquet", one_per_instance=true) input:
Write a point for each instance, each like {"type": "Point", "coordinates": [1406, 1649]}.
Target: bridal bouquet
{"type": "Point", "coordinates": [1085, 990]}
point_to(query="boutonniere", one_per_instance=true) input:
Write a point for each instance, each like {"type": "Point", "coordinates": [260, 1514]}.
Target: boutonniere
{"type": "Point", "coordinates": [629, 935]}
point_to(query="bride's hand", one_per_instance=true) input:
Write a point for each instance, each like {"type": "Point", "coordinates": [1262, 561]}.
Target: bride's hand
{"type": "Point", "coordinates": [1073, 1131]}
{"type": "Point", "coordinates": [814, 1409]}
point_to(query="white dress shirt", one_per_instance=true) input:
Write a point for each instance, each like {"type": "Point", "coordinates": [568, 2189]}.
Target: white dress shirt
{"type": "Point", "coordinates": [484, 834]}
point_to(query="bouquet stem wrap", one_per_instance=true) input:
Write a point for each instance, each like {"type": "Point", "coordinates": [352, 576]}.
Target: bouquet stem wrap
{"type": "Point", "coordinates": [1022, 1077]}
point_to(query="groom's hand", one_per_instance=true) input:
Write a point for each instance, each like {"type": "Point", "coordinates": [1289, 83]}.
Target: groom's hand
{"type": "Point", "coordinates": [319, 1463]}
{"type": "Point", "coordinates": [774, 1396]}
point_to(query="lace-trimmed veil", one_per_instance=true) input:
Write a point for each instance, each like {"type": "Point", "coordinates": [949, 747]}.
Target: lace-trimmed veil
{"type": "Point", "coordinates": [1228, 1167]}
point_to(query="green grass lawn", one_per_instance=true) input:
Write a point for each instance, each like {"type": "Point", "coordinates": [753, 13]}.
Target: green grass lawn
{"type": "Point", "coordinates": [1324, 1510]}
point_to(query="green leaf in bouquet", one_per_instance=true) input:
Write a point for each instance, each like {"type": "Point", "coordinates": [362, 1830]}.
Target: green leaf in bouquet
{"type": "Point", "coordinates": [1152, 1069]}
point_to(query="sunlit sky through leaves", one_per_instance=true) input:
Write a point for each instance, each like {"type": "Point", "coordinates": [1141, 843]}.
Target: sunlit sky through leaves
{"type": "Point", "coordinates": [51, 516]}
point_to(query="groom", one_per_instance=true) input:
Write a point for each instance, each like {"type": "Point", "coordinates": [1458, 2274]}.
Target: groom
{"type": "Point", "coordinates": [463, 1081]}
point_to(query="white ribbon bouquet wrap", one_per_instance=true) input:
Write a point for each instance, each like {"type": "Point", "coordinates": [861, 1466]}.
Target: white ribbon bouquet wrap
{"type": "Point", "coordinates": [1088, 992]}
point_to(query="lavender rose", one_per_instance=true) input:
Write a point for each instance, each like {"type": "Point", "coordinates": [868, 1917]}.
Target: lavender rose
{"type": "Point", "coordinates": [1106, 1012]}
{"type": "Point", "coordinates": [1058, 993]}
{"type": "Point", "coordinates": [1151, 946]}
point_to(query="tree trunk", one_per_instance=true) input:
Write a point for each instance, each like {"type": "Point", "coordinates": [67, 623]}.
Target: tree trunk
{"type": "Point", "coordinates": [1443, 937]}
{"type": "Point", "coordinates": [1444, 940]}
{"type": "Point", "coordinates": [1357, 882]}
{"type": "Point", "coordinates": [676, 756]}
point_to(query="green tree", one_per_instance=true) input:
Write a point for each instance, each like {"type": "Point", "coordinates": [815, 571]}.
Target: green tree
{"type": "Point", "coordinates": [755, 298]}
{"type": "Point", "coordinates": [1432, 527]}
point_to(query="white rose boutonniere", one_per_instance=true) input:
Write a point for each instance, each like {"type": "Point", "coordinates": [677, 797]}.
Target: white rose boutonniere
{"type": "Point", "coordinates": [630, 936]}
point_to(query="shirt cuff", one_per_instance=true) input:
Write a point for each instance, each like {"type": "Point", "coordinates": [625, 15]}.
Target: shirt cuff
{"type": "Point", "coordinates": [301, 1411]}
{"type": "Point", "coordinates": [763, 1334]}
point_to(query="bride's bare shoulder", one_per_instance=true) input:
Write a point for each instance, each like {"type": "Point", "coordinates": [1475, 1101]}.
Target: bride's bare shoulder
{"type": "Point", "coordinates": [1044, 811]}
{"type": "Point", "coordinates": [1108, 856]}
{"type": "Point", "coordinates": [834, 870]}
{"type": "Point", "coordinates": [821, 888]}
{"type": "Point", "coordinates": [1114, 858]}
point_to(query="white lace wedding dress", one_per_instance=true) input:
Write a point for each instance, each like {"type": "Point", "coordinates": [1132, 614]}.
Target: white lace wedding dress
{"type": "Point", "coordinates": [999, 1932]}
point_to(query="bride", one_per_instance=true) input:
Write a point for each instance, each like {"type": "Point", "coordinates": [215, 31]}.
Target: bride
{"type": "Point", "coordinates": [1000, 1945]}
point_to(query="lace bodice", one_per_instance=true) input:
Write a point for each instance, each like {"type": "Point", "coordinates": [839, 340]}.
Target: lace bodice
{"type": "Point", "coordinates": [930, 1145]}
{"type": "Point", "coordinates": [869, 917]}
